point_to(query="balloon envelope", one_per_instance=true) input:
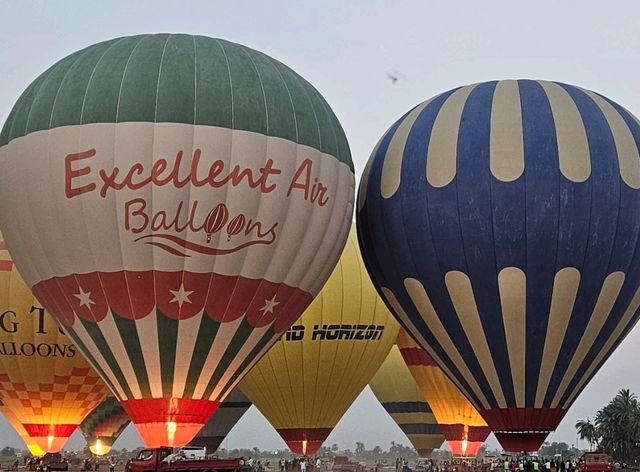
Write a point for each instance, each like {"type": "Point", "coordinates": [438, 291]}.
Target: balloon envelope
{"type": "Point", "coordinates": [176, 202]}
{"type": "Point", "coordinates": [31, 444]}
{"type": "Point", "coordinates": [461, 424]}
{"type": "Point", "coordinates": [44, 380]}
{"type": "Point", "coordinates": [102, 427]}
{"type": "Point", "coordinates": [308, 380]}
{"type": "Point", "coordinates": [501, 221]}
{"type": "Point", "coordinates": [222, 422]}
{"type": "Point", "coordinates": [397, 391]}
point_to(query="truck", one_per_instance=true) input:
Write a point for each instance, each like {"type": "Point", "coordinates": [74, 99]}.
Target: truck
{"type": "Point", "coordinates": [595, 462]}
{"type": "Point", "coordinates": [344, 464]}
{"type": "Point", "coordinates": [168, 459]}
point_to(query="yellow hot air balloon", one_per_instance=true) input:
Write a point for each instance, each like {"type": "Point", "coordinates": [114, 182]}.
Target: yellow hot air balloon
{"type": "Point", "coordinates": [13, 421]}
{"type": "Point", "coordinates": [394, 386]}
{"type": "Point", "coordinates": [461, 424]}
{"type": "Point", "coordinates": [307, 381]}
{"type": "Point", "coordinates": [44, 380]}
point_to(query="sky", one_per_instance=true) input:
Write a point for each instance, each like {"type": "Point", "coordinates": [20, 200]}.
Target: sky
{"type": "Point", "coordinates": [345, 49]}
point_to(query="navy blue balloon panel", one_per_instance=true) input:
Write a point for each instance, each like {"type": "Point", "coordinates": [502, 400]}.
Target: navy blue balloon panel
{"type": "Point", "coordinates": [500, 222]}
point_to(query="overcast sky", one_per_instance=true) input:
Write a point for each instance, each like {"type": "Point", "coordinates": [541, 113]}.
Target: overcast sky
{"type": "Point", "coordinates": [345, 49]}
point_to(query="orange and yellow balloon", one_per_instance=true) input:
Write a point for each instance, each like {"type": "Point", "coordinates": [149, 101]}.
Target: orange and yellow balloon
{"type": "Point", "coordinates": [461, 424]}
{"type": "Point", "coordinates": [307, 381]}
{"type": "Point", "coordinates": [32, 446]}
{"type": "Point", "coordinates": [394, 386]}
{"type": "Point", "coordinates": [44, 380]}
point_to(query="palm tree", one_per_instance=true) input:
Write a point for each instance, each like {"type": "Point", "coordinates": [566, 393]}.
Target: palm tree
{"type": "Point", "coordinates": [588, 431]}
{"type": "Point", "coordinates": [618, 424]}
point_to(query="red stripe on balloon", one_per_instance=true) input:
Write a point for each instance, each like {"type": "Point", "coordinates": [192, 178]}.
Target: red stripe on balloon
{"type": "Point", "coordinates": [417, 356]}
{"type": "Point", "coordinates": [178, 295]}
{"type": "Point", "coordinates": [55, 430]}
{"type": "Point", "coordinates": [6, 266]}
{"type": "Point", "coordinates": [169, 410]}
{"type": "Point", "coordinates": [522, 429]}
{"type": "Point", "coordinates": [304, 440]}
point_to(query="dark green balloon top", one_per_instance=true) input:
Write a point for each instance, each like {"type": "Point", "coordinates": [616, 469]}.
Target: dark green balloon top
{"type": "Point", "coordinates": [178, 78]}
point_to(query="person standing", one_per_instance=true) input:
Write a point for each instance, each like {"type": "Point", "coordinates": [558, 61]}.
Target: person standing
{"type": "Point", "coordinates": [303, 465]}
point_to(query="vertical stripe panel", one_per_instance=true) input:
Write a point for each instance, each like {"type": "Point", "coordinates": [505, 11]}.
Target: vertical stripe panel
{"type": "Point", "coordinates": [125, 345]}
{"type": "Point", "coordinates": [507, 151]}
{"type": "Point", "coordinates": [608, 295]}
{"type": "Point", "coordinates": [475, 216]}
{"type": "Point", "coordinates": [242, 356]}
{"type": "Point", "coordinates": [512, 283]}
{"type": "Point", "coordinates": [147, 328]}
{"type": "Point", "coordinates": [364, 179]}
{"type": "Point", "coordinates": [463, 299]}
{"type": "Point", "coordinates": [573, 148]}
{"type": "Point", "coordinates": [185, 351]}
{"type": "Point", "coordinates": [628, 157]}
{"type": "Point", "coordinates": [225, 334]}
{"type": "Point", "coordinates": [629, 313]}
{"type": "Point", "coordinates": [603, 213]}
{"type": "Point", "coordinates": [81, 336]}
{"type": "Point", "coordinates": [565, 289]}
{"type": "Point", "coordinates": [541, 228]}
{"type": "Point", "coordinates": [410, 328]}
{"type": "Point", "coordinates": [392, 164]}
{"type": "Point", "coordinates": [422, 302]}
{"type": "Point", "coordinates": [442, 151]}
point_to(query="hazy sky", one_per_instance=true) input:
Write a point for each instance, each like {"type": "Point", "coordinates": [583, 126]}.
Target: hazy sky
{"type": "Point", "coordinates": [345, 48]}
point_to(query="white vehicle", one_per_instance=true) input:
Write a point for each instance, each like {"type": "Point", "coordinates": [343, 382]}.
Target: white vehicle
{"type": "Point", "coordinates": [193, 452]}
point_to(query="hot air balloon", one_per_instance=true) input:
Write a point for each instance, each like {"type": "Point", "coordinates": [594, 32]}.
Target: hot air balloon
{"type": "Point", "coordinates": [44, 381]}
{"type": "Point", "coordinates": [222, 422]}
{"type": "Point", "coordinates": [307, 381]}
{"type": "Point", "coordinates": [401, 397]}
{"type": "Point", "coordinates": [176, 202]}
{"type": "Point", "coordinates": [462, 426]}
{"type": "Point", "coordinates": [501, 222]}
{"type": "Point", "coordinates": [104, 425]}
{"type": "Point", "coordinates": [32, 446]}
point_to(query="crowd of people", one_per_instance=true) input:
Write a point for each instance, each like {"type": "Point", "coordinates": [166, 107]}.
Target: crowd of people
{"type": "Point", "coordinates": [301, 464]}
{"type": "Point", "coordinates": [533, 464]}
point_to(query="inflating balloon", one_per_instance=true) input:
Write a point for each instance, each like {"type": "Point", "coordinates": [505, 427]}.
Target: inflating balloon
{"type": "Point", "coordinates": [462, 426]}
{"type": "Point", "coordinates": [401, 397]}
{"type": "Point", "coordinates": [222, 422]}
{"type": "Point", "coordinates": [307, 381]}
{"type": "Point", "coordinates": [501, 222]}
{"type": "Point", "coordinates": [176, 202]}
{"type": "Point", "coordinates": [104, 425]}
{"type": "Point", "coordinates": [32, 446]}
{"type": "Point", "coordinates": [44, 380]}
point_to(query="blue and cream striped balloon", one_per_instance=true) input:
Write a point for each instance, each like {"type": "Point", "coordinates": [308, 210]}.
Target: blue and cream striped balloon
{"type": "Point", "coordinates": [500, 221]}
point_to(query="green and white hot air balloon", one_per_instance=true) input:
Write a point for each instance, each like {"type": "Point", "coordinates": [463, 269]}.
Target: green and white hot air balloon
{"type": "Point", "coordinates": [176, 202]}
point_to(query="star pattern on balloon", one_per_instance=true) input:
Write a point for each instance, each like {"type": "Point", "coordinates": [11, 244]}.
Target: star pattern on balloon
{"type": "Point", "coordinates": [180, 296]}
{"type": "Point", "coordinates": [84, 298]}
{"type": "Point", "coordinates": [269, 306]}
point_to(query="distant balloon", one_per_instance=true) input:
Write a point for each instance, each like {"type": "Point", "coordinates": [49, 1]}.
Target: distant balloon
{"type": "Point", "coordinates": [176, 202]}
{"type": "Point", "coordinates": [308, 380]}
{"type": "Point", "coordinates": [501, 220]}
{"type": "Point", "coordinates": [222, 422]}
{"type": "Point", "coordinates": [401, 397]}
{"type": "Point", "coordinates": [103, 426]}
{"type": "Point", "coordinates": [461, 424]}
{"type": "Point", "coordinates": [44, 381]}
{"type": "Point", "coordinates": [32, 446]}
